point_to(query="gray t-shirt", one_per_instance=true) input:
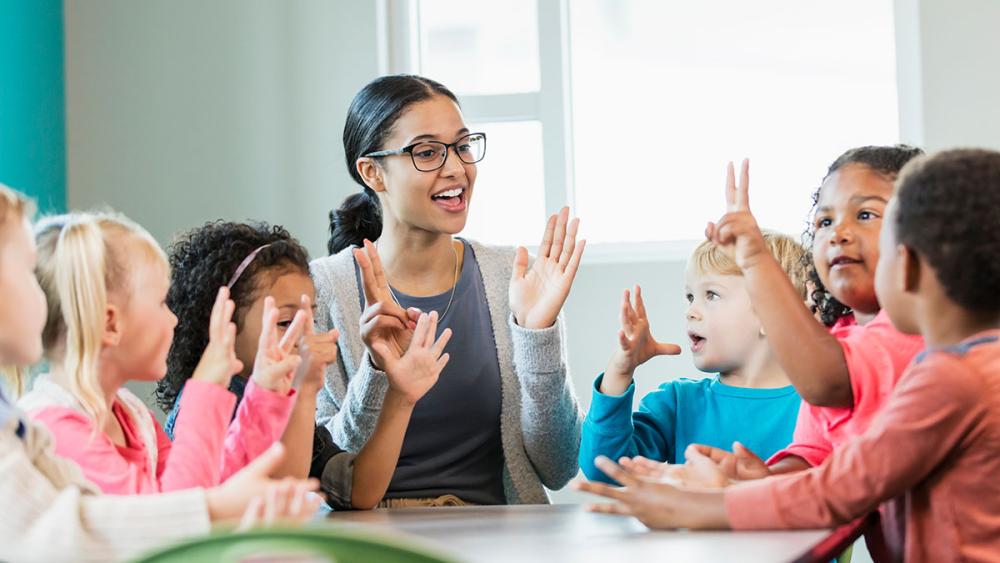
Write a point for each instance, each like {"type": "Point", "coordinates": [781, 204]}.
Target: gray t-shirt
{"type": "Point", "coordinates": [452, 445]}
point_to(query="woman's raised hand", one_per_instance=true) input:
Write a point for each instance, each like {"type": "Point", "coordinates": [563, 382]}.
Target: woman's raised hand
{"type": "Point", "coordinates": [537, 293]}
{"type": "Point", "coordinates": [412, 374]}
{"type": "Point", "coordinates": [383, 320]}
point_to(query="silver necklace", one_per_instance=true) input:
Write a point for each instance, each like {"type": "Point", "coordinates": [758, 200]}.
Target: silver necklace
{"type": "Point", "coordinates": [453, 287]}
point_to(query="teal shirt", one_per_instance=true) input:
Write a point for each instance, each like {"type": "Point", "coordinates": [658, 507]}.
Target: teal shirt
{"type": "Point", "coordinates": [683, 412]}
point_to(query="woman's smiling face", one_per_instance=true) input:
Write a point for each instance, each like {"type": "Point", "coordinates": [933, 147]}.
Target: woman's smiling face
{"type": "Point", "coordinates": [436, 201]}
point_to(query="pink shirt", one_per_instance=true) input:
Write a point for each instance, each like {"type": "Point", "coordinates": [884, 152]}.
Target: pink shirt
{"type": "Point", "coordinates": [206, 449]}
{"type": "Point", "coordinates": [876, 355]}
{"type": "Point", "coordinates": [936, 443]}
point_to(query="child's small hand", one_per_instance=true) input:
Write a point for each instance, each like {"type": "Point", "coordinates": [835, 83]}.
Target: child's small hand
{"type": "Point", "coordinates": [413, 374]}
{"type": "Point", "coordinates": [737, 232]}
{"type": "Point", "coordinates": [636, 346]}
{"type": "Point", "coordinates": [274, 366]}
{"type": "Point", "coordinates": [236, 496]}
{"type": "Point", "coordinates": [322, 350]}
{"type": "Point", "coordinates": [739, 465]}
{"type": "Point", "coordinates": [218, 362]}
{"type": "Point", "coordinates": [286, 502]}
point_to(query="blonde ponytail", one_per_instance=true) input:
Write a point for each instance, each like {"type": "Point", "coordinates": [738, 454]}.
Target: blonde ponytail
{"type": "Point", "coordinates": [81, 258]}
{"type": "Point", "coordinates": [78, 273]}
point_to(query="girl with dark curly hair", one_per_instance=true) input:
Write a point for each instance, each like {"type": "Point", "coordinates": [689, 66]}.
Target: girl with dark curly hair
{"type": "Point", "coordinates": [268, 274]}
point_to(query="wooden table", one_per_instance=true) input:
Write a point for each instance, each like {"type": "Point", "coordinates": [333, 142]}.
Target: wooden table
{"type": "Point", "coordinates": [566, 532]}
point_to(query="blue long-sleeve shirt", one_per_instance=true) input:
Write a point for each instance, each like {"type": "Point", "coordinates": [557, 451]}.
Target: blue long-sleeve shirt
{"type": "Point", "coordinates": [683, 412]}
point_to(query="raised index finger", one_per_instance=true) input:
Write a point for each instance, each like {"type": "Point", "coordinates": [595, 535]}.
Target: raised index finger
{"type": "Point", "coordinates": [381, 282]}
{"type": "Point", "coordinates": [368, 284]}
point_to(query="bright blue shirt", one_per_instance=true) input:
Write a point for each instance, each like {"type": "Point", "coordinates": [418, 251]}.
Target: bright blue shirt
{"type": "Point", "coordinates": [683, 412]}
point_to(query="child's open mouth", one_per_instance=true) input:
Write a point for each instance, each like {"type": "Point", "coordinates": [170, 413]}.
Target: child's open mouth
{"type": "Point", "coordinates": [451, 200]}
{"type": "Point", "coordinates": [697, 342]}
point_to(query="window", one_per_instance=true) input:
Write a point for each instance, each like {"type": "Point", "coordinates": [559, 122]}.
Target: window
{"type": "Point", "coordinates": [629, 109]}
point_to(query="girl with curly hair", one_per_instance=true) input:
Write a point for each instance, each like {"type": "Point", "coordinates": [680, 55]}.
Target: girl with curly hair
{"type": "Point", "coordinates": [266, 269]}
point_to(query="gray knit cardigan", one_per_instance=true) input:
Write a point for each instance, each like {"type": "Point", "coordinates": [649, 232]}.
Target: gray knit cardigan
{"type": "Point", "coordinates": [540, 419]}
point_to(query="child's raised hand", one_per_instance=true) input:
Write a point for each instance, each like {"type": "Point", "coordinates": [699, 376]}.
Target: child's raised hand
{"type": "Point", "coordinates": [636, 345]}
{"type": "Point", "coordinates": [737, 232]}
{"type": "Point", "coordinates": [321, 348]}
{"type": "Point", "coordinates": [415, 372]}
{"type": "Point", "coordinates": [274, 366]}
{"type": "Point", "coordinates": [383, 320]}
{"type": "Point", "coordinates": [218, 362]}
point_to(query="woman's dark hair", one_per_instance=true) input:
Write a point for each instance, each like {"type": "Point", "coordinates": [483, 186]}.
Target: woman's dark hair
{"type": "Point", "coordinates": [886, 160]}
{"type": "Point", "coordinates": [947, 213]}
{"type": "Point", "coordinates": [370, 120]}
{"type": "Point", "coordinates": [202, 260]}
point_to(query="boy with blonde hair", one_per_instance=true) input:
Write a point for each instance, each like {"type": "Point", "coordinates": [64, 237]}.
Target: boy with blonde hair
{"type": "Point", "coordinates": [749, 400]}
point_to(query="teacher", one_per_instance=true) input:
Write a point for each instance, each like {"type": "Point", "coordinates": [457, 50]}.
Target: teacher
{"type": "Point", "coordinates": [502, 421]}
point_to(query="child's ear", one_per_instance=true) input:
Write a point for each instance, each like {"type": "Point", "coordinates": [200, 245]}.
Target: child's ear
{"type": "Point", "coordinates": [112, 335]}
{"type": "Point", "coordinates": [371, 173]}
{"type": "Point", "coordinates": [911, 267]}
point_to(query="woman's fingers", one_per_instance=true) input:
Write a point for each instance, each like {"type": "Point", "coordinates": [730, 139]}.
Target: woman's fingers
{"type": "Point", "coordinates": [520, 264]}
{"type": "Point", "coordinates": [380, 280]}
{"type": "Point", "coordinates": [428, 341]}
{"type": "Point", "coordinates": [546, 246]}
{"type": "Point", "coordinates": [559, 236]}
{"type": "Point", "coordinates": [442, 341]}
{"type": "Point", "coordinates": [574, 261]}
{"type": "Point", "coordinates": [381, 322]}
{"type": "Point", "coordinates": [368, 284]}
{"type": "Point", "coordinates": [570, 243]}
{"type": "Point", "coordinates": [442, 361]}
{"type": "Point", "coordinates": [420, 333]}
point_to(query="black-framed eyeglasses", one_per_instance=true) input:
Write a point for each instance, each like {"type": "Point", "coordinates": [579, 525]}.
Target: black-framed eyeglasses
{"type": "Point", "coordinates": [428, 156]}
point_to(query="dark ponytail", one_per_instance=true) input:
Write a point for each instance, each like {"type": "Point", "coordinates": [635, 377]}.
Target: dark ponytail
{"type": "Point", "coordinates": [370, 119]}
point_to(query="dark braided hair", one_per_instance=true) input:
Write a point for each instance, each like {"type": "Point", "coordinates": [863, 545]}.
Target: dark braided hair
{"type": "Point", "coordinates": [202, 260]}
{"type": "Point", "coordinates": [886, 160]}
{"type": "Point", "coordinates": [947, 213]}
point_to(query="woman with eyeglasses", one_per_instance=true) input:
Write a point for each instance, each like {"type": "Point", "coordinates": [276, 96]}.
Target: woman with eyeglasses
{"type": "Point", "coordinates": [501, 422]}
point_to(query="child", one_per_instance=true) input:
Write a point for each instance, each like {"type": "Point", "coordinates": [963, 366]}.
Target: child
{"type": "Point", "coordinates": [750, 399]}
{"type": "Point", "coordinates": [50, 512]}
{"type": "Point", "coordinates": [935, 442]}
{"type": "Point", "coordinates": [106, 280]}
{"type": "Point", "coordinates": [258, 260]}
{"type": "Point", "coordinates": [843, 373]}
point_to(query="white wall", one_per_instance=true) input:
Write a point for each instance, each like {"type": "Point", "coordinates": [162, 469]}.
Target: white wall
{"type": "Point", "coordinates": [184, 111]}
